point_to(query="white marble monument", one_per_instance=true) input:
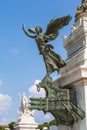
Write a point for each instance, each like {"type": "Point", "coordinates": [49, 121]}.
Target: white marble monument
{"type": "Point", "coordinates": [74, 74]}
{"type": "Point", "coordinates": [25, 116]}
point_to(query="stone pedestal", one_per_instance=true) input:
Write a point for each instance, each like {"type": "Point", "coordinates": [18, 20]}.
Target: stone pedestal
{"type": "Point", "coordinates": [25, 127]}
{"type": "Point", "coordinates": [26, 123]}
{"type": "Point", "coordinates": [45, 128]}
{"type": "Point", "coordinates": [74, 74]}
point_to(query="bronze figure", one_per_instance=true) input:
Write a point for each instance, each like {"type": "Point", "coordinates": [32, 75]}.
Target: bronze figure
{"type": "Point", "coordinates": [52, 60]}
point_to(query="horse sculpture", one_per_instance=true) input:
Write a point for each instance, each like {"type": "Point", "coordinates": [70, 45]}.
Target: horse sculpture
{"type": "Point", "coordinates": [51, 91]}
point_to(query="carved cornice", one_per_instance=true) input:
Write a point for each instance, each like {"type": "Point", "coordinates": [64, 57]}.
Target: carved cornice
{"type": "Point", "coordinates": [81, 10]}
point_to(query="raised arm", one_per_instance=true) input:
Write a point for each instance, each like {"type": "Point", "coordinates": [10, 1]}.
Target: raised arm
{"type": "Point", "coordinates": [27, 33]}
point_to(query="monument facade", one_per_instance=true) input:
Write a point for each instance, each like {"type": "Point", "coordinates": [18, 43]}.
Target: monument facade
{"type": "Point", "coordinates": [25, 116]}
{"type": "Point", "coordinates": [74, 74]}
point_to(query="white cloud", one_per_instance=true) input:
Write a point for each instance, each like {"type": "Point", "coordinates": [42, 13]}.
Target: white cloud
{"type": "Point", "coordinates": [1, 82]}
{"type": "Point", "coordinates": [33, 90]}
{"type": "Point", "coordinates": [5, 103]}
{"type": "Point", "coordinates": [40, 117]}
{"type": "Point", "coordinates": [47, 116]}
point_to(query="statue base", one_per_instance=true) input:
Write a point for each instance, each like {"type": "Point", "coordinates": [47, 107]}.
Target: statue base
{"type": "Point", "coordinates": [25, 123]}
{"type": "Point", "coordinates": [22, 126]}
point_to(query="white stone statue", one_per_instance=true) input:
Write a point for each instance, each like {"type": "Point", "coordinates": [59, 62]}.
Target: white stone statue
{"type": "Point", "coordinates": [23, 100]}
{"type": "Point", "coordinates": [25, 115]}
{"type": "Point", "coordinates": [25, 108]}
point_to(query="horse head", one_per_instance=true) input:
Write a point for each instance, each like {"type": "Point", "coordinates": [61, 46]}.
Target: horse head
{"type": "Point", "coordinates": [45, 83]}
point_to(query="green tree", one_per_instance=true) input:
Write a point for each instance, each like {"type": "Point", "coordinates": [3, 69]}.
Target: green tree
{"type": "Point", "coordinates": [11, 125]}
{"type": "Point", "coordinates": [43, 125]}
{"type": "Point", "coordinates": [2, 128]}
{"type": "Point", "coordinates": [53, 122]}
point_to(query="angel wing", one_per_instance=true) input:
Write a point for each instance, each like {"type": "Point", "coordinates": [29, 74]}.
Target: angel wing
{"type": "Point", "coordinates": [56, 24]}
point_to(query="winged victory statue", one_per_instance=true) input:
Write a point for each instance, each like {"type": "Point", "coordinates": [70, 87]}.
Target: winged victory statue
{"type": "Point", "coordinates": [53, 61]}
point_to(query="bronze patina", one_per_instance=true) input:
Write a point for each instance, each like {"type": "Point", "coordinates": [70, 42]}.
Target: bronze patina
{"type": "Point", "coordinates": [62, 103]}
{"type": "Point", "coordinates": [52, 60]}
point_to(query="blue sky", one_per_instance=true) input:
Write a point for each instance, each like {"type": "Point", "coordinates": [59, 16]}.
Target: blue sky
{"type": "Point", "coordinates": [21, 65]}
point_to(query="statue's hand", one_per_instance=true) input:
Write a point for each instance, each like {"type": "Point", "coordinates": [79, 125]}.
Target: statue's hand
{"type": "Point", "coordinates": [28, 32]}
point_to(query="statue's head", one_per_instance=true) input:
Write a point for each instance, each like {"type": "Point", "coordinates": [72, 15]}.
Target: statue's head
{"type": "Point", "coordinates": [38, 29]}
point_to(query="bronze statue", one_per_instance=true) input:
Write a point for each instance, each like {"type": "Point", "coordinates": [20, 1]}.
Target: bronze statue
{"type": "Point", "coordinates": [52, 60]}
{"type": "Point", "coordinates": [62, 103]}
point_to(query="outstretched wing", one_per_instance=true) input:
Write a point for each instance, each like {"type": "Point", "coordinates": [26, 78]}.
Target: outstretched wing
{"type": "Point", "coordinates": [56, 24]}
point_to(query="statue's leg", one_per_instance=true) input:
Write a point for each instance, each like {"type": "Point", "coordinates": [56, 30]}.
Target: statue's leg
{"type": "Point", "coordinates": [48, 74]}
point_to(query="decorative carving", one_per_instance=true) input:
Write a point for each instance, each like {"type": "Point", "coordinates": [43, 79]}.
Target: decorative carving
{"type": "Point", "coordinates": [25, 108]}
{"type": "Point", "coordinates": [81, 10]}
{"type": "Point", "coordinates": [73, 29]}
{"type": "Point", "coordinates": [64, 38]}
{"type": "Point", "coordinates": [62, 103]}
